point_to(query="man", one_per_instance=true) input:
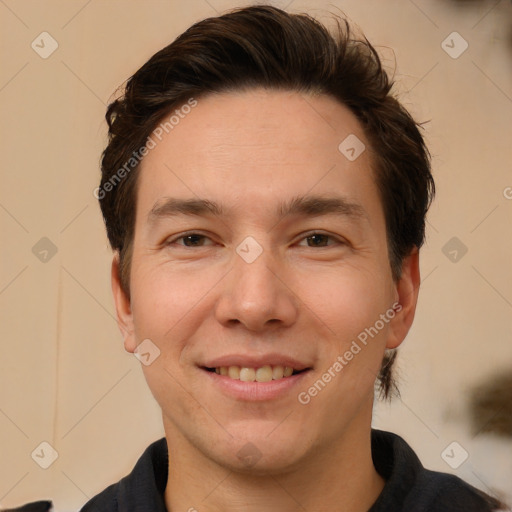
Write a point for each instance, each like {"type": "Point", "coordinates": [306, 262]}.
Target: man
{"type": "Point", "coordinates": [265, 196]}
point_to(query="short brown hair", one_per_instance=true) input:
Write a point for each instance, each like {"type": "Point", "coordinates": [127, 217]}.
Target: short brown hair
{"type": "Point", "coordinates": [263, 46]}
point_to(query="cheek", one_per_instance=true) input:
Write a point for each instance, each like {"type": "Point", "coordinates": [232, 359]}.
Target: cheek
{"type": "Point", "coordinates": [168, 303]}
{"type": "Point", "coordinates": [168, 307]}
{"type": "Point", "coordinates": [346, 300]}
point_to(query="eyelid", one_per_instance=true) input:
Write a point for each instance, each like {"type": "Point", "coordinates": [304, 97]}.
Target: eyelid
{"type": "Point", "coordinates": [340, 240]}
{"type": "Point", "coordinates": [303, 236]}
{"type": "Point", "coordinates": [178, 236]}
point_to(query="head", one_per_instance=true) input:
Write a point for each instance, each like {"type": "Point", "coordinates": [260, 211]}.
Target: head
{"type": "Point", "coordinates": [183, 129]}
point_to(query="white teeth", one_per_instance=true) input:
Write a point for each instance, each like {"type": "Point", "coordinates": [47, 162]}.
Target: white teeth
{"type": "Point", "coordinates": [262, 374]}
{"type": "Point", "coordinates": [247, 374]}
{"type": "Point", "coordinates": [278, 372]}
{"type": "Point", "coordinates": [288, 371]}
{"type": "Point", "coordinates": [234, 372]}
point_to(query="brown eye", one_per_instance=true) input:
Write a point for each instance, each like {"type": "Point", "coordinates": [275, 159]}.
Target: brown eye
{"type": "Point", "coordinates": [193, 240]}
{"type": "Point", "coordinates": [318, 240]}
{"type": "Point", "coordinates": [190, 240]}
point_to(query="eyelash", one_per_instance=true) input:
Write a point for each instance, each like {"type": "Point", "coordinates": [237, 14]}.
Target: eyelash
{"type": "Point", "coordinates": [183, 236]}
{"type": "Point", "coordinates": [337, 240]}
{"type": "Point", "coordinates": [311, 234]}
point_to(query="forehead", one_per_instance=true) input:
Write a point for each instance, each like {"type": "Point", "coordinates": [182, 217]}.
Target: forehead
{"type": "Point", "coordinates": [257, 146]}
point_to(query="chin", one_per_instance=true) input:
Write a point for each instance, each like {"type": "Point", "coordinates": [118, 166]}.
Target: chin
{"type": "Point", "coordinates": [263, 454]}
{"type": "Point", "coordinates": [260, 464]}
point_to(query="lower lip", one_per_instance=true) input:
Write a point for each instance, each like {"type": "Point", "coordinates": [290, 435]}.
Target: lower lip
{"type": "Point", "coordinates": [256, 391]}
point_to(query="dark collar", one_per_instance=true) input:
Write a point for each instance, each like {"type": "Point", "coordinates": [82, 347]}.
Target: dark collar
{"type": "Point", "coordinates": [144, 488]}
{"type": "Point", "coordinates": [409, 487]}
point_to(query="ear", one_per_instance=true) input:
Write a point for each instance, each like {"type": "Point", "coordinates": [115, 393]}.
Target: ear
{"type": "Point", "coordinates": [123, 307]}
{"type": "Point", "coordinates": [407, 289]}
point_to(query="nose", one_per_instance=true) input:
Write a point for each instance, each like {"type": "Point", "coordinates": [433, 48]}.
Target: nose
{"type": "Point", "coordinates": [255, 294]}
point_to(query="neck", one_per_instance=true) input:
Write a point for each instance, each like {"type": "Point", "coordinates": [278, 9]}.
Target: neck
{"type": "Point", "coordinates": [332, 475]}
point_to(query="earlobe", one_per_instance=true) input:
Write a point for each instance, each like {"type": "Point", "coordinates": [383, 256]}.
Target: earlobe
{"type": "Point", "coordinates": [123, 306]}
{"type": "Point", "coordinates": [407, 289]}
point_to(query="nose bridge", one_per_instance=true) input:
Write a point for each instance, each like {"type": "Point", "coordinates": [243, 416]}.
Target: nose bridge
{"type": "Point", "coordinates": [254, 282]}
{"type": "Point", "coordinates": [254, 295]}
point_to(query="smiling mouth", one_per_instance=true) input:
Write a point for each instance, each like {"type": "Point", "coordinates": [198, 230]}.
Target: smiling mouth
{"type": "Point", "coordinates": [265, 373]}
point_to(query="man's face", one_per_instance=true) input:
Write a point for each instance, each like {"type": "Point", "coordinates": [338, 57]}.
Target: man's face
{"type": "Point", "coordinates": [285, 265]}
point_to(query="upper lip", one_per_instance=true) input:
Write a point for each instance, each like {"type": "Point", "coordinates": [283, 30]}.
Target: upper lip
{"type": "Point", "coordinates": [253, 361]}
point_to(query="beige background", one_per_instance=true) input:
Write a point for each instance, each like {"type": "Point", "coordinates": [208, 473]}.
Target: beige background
{"type": "Point", "coordinates": [65, 378]}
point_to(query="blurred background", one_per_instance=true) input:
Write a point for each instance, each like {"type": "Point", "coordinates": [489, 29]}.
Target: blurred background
{"type": "Point", "coordinates": [75, 411]}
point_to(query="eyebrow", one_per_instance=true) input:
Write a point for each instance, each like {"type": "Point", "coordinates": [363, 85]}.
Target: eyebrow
{"type": "Point", "coordinates": [172, 207]}
{"type": "Point", "coordinates": [307, 206]}
{"type": "Point", "coordinates": [318, 205]}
